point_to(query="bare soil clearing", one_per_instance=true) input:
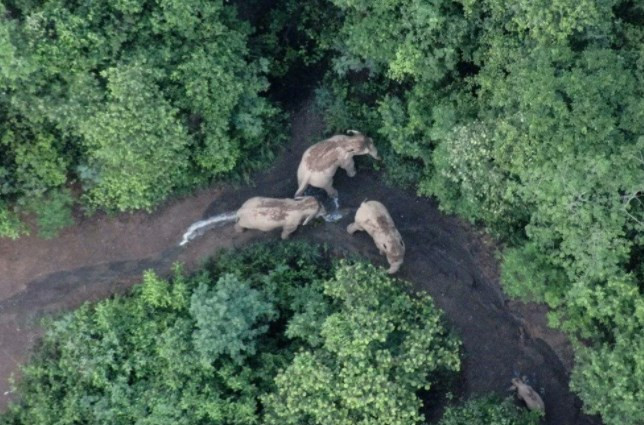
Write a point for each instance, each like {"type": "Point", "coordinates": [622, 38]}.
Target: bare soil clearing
{"type": "Point", "coordinates": [105, 255]}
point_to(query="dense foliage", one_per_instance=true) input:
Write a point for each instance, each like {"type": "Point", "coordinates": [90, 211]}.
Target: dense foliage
{"type": "Point", "coordinates": [489, 411]}
{"type": "Point", "coordinates": [272, 334]}
{"type": "Point", "coordinates": [527, 117]}
{"type": "Point", "coordinates": [371, 359]}
{"type": "Point", "coordinates": [133, 99]}
{"type": "Point", "coordinates": [524, 116]}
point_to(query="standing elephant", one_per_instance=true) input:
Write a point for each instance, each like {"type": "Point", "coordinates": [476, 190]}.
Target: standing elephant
{"type": "Point", "coordinates": [320, 162]}
{"type": "Point", "coordinates": [373, 218]}
{"type": "Point", "coordinates": [266, 214]}
{"type": "Point", "coordinates": [526, 393]}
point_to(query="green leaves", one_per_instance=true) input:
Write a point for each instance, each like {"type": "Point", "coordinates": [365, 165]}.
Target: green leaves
{"type": "Point", "coordinates": [379, 347]}
{"type": "Point", "coordinates": [226, 319]}
{"type": "Point", "coordinates": [10, 225]}
{"type": "Point", "coordinates": [53, 211]}
{"type": "Point", "coordinates": [409, 39]}
{"type": "Point", "coordinates": [489, 410]}
{"type": "Point", "coordinates": [136, 147]}
{"type": "Point", "coordinates": [471, 183]}
{"type": "Point", "coordinates": [613, 317]}
{"type": "Point", "coordinates": [211, 348]}
{"type": "Point", "coordinates": [554, 21]}
{"type": "Point", "coordinates": [525, 117]}
{"type": "Point", "coordinates": [136, 99]}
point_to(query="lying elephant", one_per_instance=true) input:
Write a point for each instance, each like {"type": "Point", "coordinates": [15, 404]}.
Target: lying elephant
{"type": "Point", "coordinates": [373, 218]}
{"type": "Point", "coordinates": [320, 162]}
{"type": "Point", "coordinates": [526, 393]}
{"type": "Point", "coordinates": [266, 214]}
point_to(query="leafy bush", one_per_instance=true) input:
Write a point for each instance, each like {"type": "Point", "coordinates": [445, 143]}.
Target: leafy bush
{"type": "Point", "coordinates": [469, 182]}
{"type": "Point", "coordinates": [619, 366]}
{"type": "Point", "coordinates": [489, 411]}
{"type": "Point", "coordinates": [10, 225]}
{"type": "Point", "coordinates": [222, 346]}
{"type": "Point", "coordinates": [38, 163]}
{"type": "Point", "coordinates": [137, 100]}
{"type": "Point", "coordinates": [52, 210]}
{"type": "Point", "coordinates": [377, 351]}
{"type": "Point", "coordinates": [226, 318]}
{"type": "Point", "coordinates": [137, 154]}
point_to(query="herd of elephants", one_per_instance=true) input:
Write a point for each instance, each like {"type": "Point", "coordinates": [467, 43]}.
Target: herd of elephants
{"type": "Point", "coordinates": [317, 168]}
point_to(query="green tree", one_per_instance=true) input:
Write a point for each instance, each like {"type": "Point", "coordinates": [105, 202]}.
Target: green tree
{"type": "Point", "coordinates": [525, 117]}
{"type": "Point", "coordinates": [136, 147]}
{"type": "Point", "coordinates": [226, 318]}
{"type": "Point", "coordinates": [378, 349]}
{"type": "Point", "coordinates": [207, 348]}
{"type": "Point", "coordinates": [136, 99]}
{"type": "Point", "coordinates": [490, 410]}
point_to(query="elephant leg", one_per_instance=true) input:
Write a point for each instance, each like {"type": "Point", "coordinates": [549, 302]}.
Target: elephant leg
{"type": "Point", "coordinates": [238, 228]}
{"type": "Point", "coordinates": [307, 219]}
{"type": "Point", "coordinates": [286, 232]}
{"type": "Point", "coordinates": [353, 227]}
{"type": "Point", "coordinates": [330, 190]}
{"type": "Point", "coordinates": [350, 167]}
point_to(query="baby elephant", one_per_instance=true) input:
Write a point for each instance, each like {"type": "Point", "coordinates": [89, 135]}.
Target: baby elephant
{"type": "Point", "coordinates": [373, 218]}
{"type": "Point", "coordinates": [526, 393]}
{"type": "Point", "coordinates": [266, 214]}
{"type": "Point", "coordinates": [320, 162]}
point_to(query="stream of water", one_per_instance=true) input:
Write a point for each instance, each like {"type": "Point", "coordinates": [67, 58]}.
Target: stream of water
{"type": "Point", "coordinates": [198, 228]}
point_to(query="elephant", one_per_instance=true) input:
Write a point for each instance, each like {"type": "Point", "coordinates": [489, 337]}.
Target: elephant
{"type": "Point", "coordinates": [320, 161]}
{"type": "Point", "coordinates": [526, 393]}
{"type": "Point", "coordinates": [373, 218]}
{"type": "Point", "coordinates": [266, 214]}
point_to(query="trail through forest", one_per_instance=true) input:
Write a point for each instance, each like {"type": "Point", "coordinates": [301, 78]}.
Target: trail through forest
{"type": "Point", "coordinates": [103, 255]}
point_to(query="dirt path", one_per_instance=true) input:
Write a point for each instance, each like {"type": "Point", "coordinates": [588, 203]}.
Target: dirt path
{"type": "Point", "coordinates": [102, 255]}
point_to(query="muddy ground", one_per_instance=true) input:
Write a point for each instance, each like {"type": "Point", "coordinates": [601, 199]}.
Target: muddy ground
{"type": "Point", "coordinates": [456, 264]}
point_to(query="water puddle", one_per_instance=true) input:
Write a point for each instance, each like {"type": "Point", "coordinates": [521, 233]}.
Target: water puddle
{"type": "Point", "coordinates": [332, 206]}
{"type": "Point", "coordinates": [333, 217]}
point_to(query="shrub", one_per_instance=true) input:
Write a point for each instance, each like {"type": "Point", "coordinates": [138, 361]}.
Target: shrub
{"type": "Point", "coordinates": [226, 318]}
{"type": "Point", "coordinates": [52, 210]}
{"type": "Point", "coordinates": [491, 410]}
{"type": "Point", "coordinates": [378, 349]}
{"type": "Point", "coordinates": [138, 100]}
{"type": "Point", "coordinates": [10, 225]}
{"type": "Point", "coordinates": [222, 346]}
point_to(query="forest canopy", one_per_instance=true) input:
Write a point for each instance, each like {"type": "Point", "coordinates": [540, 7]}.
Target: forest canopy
{"type": "Point", "coordinates": [132, 100]}
{"type": "Point", "coordinates": [527, 118]}
{"type": "Point", "coordinates": [524, 117]}
{"type": "Point", "coordinates": [273, 334]}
